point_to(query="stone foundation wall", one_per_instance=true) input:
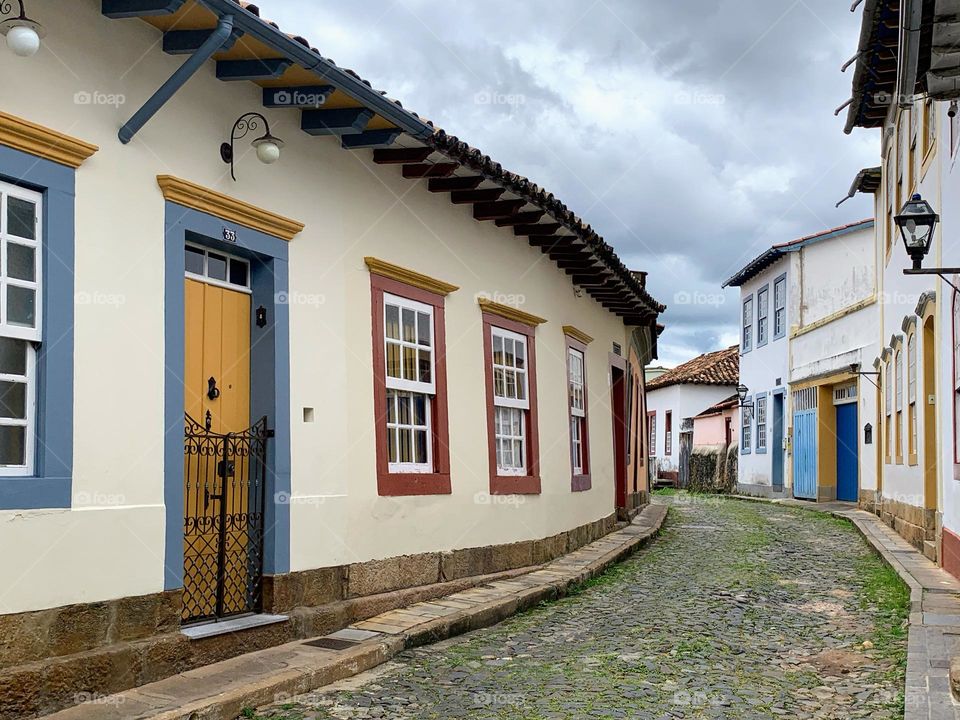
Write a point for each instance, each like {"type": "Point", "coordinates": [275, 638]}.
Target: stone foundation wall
{"type": "Point", "coordinates": [914, 524]}
{"type": "Point", "coordinates": [51, 659]}
{"type": "Point", "coordinates": [713, 469]}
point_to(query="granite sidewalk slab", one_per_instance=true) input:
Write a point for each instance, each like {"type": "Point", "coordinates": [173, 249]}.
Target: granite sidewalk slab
{"type": "Point", "coordinates": [222, 690]}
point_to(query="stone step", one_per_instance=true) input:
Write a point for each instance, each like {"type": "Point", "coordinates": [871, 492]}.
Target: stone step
{"type": "Point", "coordinates": [930, 549]}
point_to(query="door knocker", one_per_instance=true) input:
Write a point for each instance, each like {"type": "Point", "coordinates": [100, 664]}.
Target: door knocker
{"type": "Point", "coordinates": [213, 392]}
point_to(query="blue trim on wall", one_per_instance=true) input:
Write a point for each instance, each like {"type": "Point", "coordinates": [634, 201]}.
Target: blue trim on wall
{"type": "Point", "coordinates": [746, 449]}
{"type": "Point", "coordinates": [757, 399]}
{"type": "Point", "coordinates": [270, 372]}
{"type": "Point", "coordinates": [744, 348]}
{"type": "Point", "coordinates": [51, 485]}
{"type": "Point", "coordinates": [766, 291]}
{"type": "Point", "coordinates": [786, 319]}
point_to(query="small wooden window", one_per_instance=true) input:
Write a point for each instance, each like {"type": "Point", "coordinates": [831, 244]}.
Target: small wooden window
{"type": "Point", "coordinates": [577, 401]}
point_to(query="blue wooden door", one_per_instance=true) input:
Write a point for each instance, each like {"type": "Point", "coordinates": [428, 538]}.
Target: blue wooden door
{"type": "Point", "coordinates": [848, 466]}
{"type": "Point", "coordinates": [805, 444]}
{"type": "Point", "coordinates": [777, 442]}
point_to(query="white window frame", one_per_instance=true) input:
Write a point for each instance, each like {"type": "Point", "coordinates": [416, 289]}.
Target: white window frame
{"type": "Point", "coordinates": [578, 410]}
{"type": "Point", "coordinates": [780, 308]}
{"type": "Point", "coordinates": [763, 314]}
{"type": "Point", "coordinates": [746, 428]}
{"type": "Point", "coordinates": [761, 420]}
{"type": "Point", "coordinates": [652, 428]}
{"type": "Point", "coordinates": [518, 404]}
{"type": "Point", "coordinates": [405, 387]}
{"type": "Point", "coordinates": [30, 336]}
{"type": "Point", "coordinates": [747, 324]}
{"type": "Point", "coordinates": [205, 276]}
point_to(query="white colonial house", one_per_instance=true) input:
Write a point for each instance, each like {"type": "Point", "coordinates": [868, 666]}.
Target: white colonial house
{"type": "Point", "coordinates": [677, 396]}
{"type": "Point", "coordinates": [276, 385]}
{"type": "Point", "coordinates": [808, 309]}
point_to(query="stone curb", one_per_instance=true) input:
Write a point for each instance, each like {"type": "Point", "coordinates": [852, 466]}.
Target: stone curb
{"type": "Point", "coordinates": [299, 677]}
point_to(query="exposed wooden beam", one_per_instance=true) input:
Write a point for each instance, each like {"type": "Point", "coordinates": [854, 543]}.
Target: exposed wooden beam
{"type": "Point", "coordinates": [401, 156]}
{"type": "Point", "coordinates": [544, 229]}
{"type": "Point", "coordinates": [429, 170]}
{"type": "Point", "coordinates": [260, 69]}
{"type": "Point", "coordinates": [301, 96]}
{"type": "Point", "coordinates": [139, 8]}
{"type": "Point", "coordinates": [454, 183]}
{"type": "Point", "coordinates": [494, 210]}
{"type": "Point", "coordinates": [521, 218]}
{"type": "Point", "coordinates": [344, 121]}
{"type": "Point", "coordinates": [546, 242]}
{"type": "Point", "coordinates": [187, 42]}
{"type": "Point", "coordinates": [370, 139]}
{"type": "Point", "coordinates": [463, 197]}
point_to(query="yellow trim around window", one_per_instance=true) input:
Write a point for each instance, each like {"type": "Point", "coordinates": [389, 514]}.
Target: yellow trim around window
{"type": "Point", "coordinates": [576, 334]}
{"type": "Point", "coordinates": [43, 142]}
{"type": "Point", "coordinates": [409, 277]}
{"type": "Point", "coordinates": [197, 197]}
{"type": "Point", "coordinates": [510, 313]}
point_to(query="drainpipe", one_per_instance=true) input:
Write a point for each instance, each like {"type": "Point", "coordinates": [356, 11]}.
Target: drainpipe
{"type": "Point", "coordinates": [176, 81]}
{"type": "Point", "coordinates": [910, 57]}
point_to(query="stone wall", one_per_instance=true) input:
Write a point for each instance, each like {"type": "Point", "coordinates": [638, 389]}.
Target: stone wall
{"type": "Point", "coordinates": [713, 468]}
{"type": "Point", "coordinates": [918, 526]}
{"type": "Point", "coordinates": [51, 659]}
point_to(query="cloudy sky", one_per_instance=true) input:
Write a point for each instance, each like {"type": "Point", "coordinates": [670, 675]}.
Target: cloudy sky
{"type": "Point", "coordinates": [691, 134]}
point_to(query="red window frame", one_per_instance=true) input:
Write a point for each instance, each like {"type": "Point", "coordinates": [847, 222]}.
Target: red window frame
{"type": "Point", "coordinates": [668, 432]}
{"type": "Point", "coordinates": [528, 484]}
{"type": "Point", "coordinates": [955, 322]}
{"type": "Point", "coordinates": [579, 482]}
{"type": "Point", "coordinates": [401, 484]}
{"type": "Point", "coordinates": [651, 433]}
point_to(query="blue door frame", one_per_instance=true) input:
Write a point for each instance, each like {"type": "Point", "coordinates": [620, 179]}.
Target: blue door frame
{"type": "Point", "coordinates": [776, 441]}
{"type": "Point", "coordinates": [848, 472]}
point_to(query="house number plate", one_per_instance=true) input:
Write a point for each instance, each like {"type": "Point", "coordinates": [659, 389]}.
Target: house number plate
{"type": "Point", "coordinates": [229, 235]}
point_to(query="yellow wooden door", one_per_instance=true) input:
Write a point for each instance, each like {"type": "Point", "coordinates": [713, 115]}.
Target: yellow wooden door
{"type": "Point", "coordinates": [217, 347]}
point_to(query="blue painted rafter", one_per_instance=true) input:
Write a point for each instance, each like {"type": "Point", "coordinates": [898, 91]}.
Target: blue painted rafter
{"type": "Point", "coordinates": [187, 42]}
{"type": "Point", "coordinates": [345, 121]}
{"type": "Point", "coordinates": [259, 69]}
{"type": "Point", "coordinates": [139, 8]}
{"type": "Point", "coordinates": [370, 139]}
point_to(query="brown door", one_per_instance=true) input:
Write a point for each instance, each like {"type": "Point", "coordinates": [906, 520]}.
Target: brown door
{"type": "Point", "coordinates": [618, 397]}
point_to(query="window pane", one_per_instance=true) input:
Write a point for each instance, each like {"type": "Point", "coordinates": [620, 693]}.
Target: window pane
{"type": "Point", "coordinates": [20, 262]}
{"type": "Point", "coordinates": [425, 366]}
{"type": "Point", "coordinates": [508, 352]}
{"type": "Point", "coordinates": [13, 400]}
{"type": "Point", "coordinates": [403, 402]}
{"type": "Point", "coordinates": [216, 267]}
{"type": "Point", "coordinates": [21, 218]}
{"type": "Point", "coordinates": [409, 363]}
{"type": "Point", "coordinates": [391, 445]}
{"type": "Point", "coordinates": [13, 357]}
{"type": "Point", "coordinates": [517, 417]}
{"type": "Point", "coordinates": [521, 351]}
{"type": "Point", "coordinates": [517, 453]}
{"type": "Point", "coordinates": [420, 409]}
{"type": "Point", "coordinates": [511, 379]}
{"type": "Point", "coordinates": [521, 390]}
{"type": "Point", "coordinates": [193, 260]}
{"type": "Point", "coordinates": [20, 306]}
{"type": "Point", "coordinates": [391, 406]}
{"type": "Point", "coordinates": [393, 360]}
{"type": "Point", "coordinates": [238, 272]}
{"type": "Point", "coordinates": [498, 382]}
{"type": "Point", "coordinates": [423, 329]}
{"type": "Point", "coordinates": [500, 453]}
{"type": "Point", "coordinates": [409, 333]}
{"type": "Point", "coordinates": [406, 454]}
{"type": "Point", "coordinates": [12, 444]}
{"type": "Point", "coordinates": [421, 446]}
{"type": "Point", "coordinates": [498, 350]}
{"type": "Point", "coordinates": [393, 322]}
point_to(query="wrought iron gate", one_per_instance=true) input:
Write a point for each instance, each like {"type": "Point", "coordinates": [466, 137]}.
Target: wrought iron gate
{"type": "Point", "coordinates": [224, 487]}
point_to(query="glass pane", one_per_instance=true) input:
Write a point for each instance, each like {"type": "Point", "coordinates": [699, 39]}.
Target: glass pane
{"type": "Point", "coordinates": [21, 218]}
{"type": "Point", "coordinates": [13, 400]}
{"type": "Point", "coordinates": [13, 357]}
{"type": "Point", "coordinates": [511, 379]}
{"type": "Point", "coordinates": [420, 410]}
{"type": "Point", "coordinates": [520, 352]}
{"type": "Point", "coordinates": [216, 267]}
{"type": "Point", "coordinates": [517, 417]}
{"type": "Point", "coordinates": [498, 382]}
{"type": "Point", "coordinates": [391, 407]}
{"type": "Point", "coordinates": [508, 352]}
{"type": "Point", "coordinates": [12, 446]}
{"type": "Point", "coordinates": [409, 332]}
{"type": "Point", "coordinates": [517, 453]}
{"type": "Point", "coordinates": [391, 445]}
{"type": "Point", "coordinates": [406, 454]}
{"type": "Point", "coordinates": [393, 360]}
{"type": "Point", "coordinates": [423, 329]}
{"type": "Point", "coordinates": [498, 350]}
{"type": "Point", "coordinates": [409, 363]}
{"type": "Point", "coordinates": [521, 390]}
{"type": "Point", "coordinates": [425, 366]}
{"type": "Point", "coordinates": [393, 322]}
{"type": "Point", "coordinates": [20, 306]}
{"type": "Point", "coordinates": [420, 451]}
{"type": "Point", "coordinates": [20, 262]}
{"type": "Point", "coordinates": [403, 403]}
{"type": "Point", "coordinates": [238, 273]}
{"type": "Point", "coordinates": [500, 453]}
{"type": "Point", "coordinates": [193, 260]}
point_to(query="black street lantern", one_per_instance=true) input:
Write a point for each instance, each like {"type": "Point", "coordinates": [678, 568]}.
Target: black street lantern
{"type": "Point", "coordinates": [917, 221]}
{"type": "Point", "coordinates": [268, 146]}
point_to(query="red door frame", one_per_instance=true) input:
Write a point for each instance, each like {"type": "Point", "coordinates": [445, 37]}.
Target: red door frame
{"type": "Point", "coordinates": [618, 404]}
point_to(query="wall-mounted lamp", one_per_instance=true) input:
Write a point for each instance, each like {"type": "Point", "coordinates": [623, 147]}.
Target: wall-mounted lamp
{"type": "Point", "coordinates": [23, 34]}
{"type": "Point", "coordinates": [917, 221]}
{"type": "Point", "coordinates": [742, 391]}
{"type": "Point", "coordinates": [268, 146]}
{"type": "Point", "coordinates": [855, 370]}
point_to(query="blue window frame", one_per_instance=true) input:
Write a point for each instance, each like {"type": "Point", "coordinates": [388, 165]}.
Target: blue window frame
{"type": "Point", "coordinates": [760, 417]}
{"type": "Point", "coordinates": [780, 307]}
{"type": "Point", "coordinates": [746, 335]}
{"type": "Point", "coordinates": [48, 482]}
{"type": "Point", "coordinates": [746, 428]}
{"type": "Point", "coordinates": [763, 313]}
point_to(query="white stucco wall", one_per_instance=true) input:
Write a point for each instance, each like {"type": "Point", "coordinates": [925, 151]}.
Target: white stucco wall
{"type": "Point", "coordinates": [351, 208]}
{"type": "Point", "coordinates": [684, 401]}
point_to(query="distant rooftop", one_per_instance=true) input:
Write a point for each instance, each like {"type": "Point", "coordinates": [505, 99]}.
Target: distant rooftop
{"type": "Point", "coordinates": [721, 367]}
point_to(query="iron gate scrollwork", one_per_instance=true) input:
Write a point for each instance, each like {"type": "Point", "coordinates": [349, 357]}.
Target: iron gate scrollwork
{"type": "Point", "coordinates": [224, 502]}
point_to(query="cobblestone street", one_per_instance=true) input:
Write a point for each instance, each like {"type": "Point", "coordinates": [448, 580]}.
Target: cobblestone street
{"type": "Point", "coordinates": [738, 610]}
